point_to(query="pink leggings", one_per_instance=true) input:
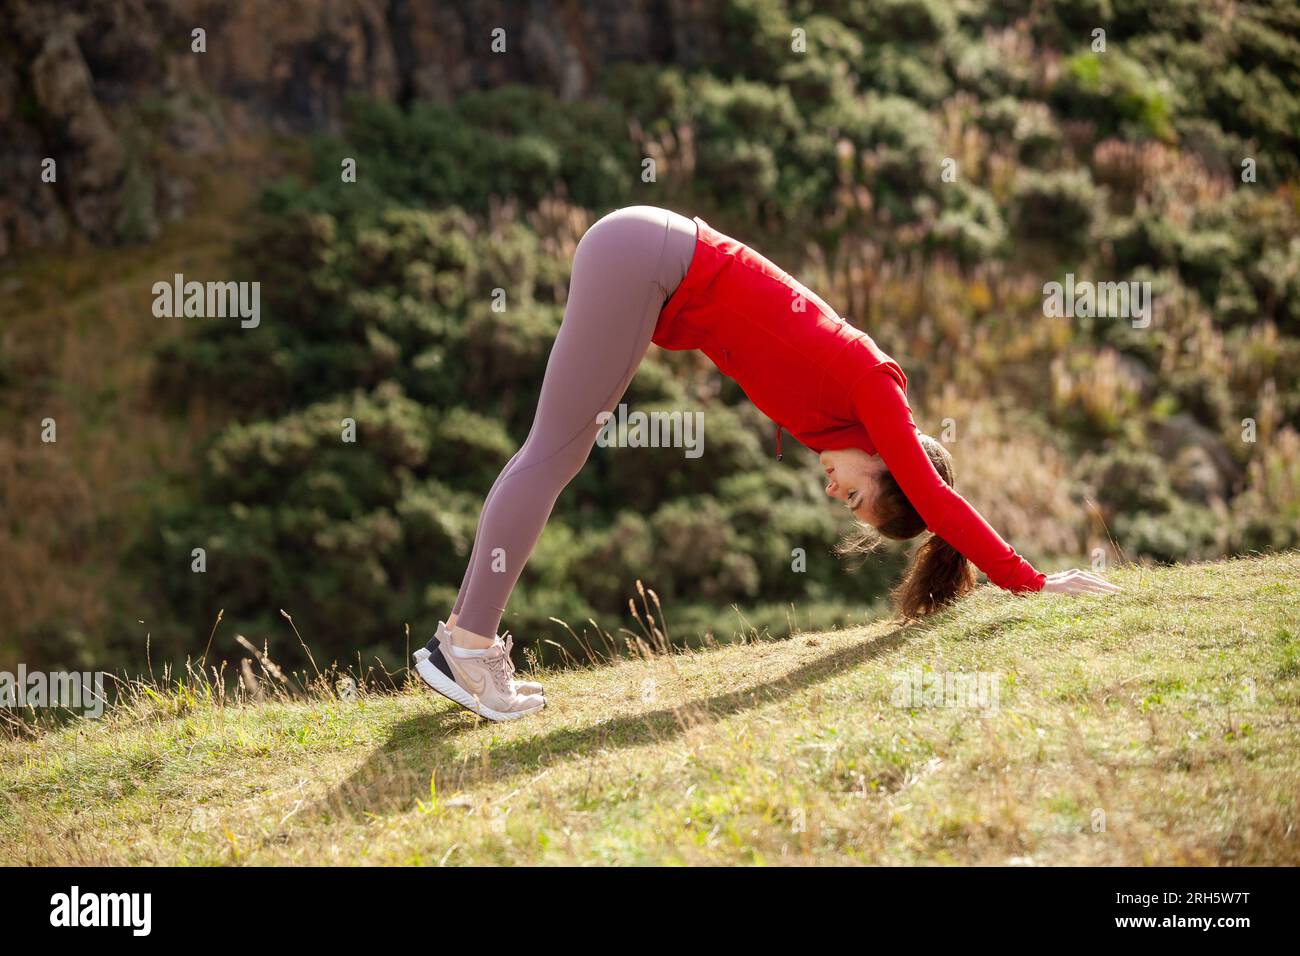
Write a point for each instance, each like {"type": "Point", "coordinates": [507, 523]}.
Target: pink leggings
{"type": "Point", "coordinates": [624, 269]}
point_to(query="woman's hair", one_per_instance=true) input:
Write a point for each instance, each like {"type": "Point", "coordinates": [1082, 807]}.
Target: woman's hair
{"type": "Point", "coordinates": [939, 573]}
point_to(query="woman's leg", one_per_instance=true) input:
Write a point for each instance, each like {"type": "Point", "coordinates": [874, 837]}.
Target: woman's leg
{"type": "Point", "coordinates": [624, 269]}
{"type": "Point", "coordinates": [460, 595]}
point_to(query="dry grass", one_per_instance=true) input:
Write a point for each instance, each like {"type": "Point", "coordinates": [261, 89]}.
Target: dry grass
{"type": "Point", "coordinates": [1159, 727]}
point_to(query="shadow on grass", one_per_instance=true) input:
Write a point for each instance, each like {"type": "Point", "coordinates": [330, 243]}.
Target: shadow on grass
{"type": "Point", "coordinates": [397, 774]}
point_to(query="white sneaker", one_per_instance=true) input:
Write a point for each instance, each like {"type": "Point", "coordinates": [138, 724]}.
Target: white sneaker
{"type": "Point", "coordinates": [477, 680]}
{"type": "Point", "coordinates": [443, 634]}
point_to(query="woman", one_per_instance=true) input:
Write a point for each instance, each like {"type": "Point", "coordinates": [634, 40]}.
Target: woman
{"type": "Point", "coordinates": [643, 275]}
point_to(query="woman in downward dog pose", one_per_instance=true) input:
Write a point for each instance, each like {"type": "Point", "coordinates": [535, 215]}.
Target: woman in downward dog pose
{"type": "Point", "coordinates": [644, 274]}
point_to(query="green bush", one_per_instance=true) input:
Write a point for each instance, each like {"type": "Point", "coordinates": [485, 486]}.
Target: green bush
{"type": "Point", "coordinates": [1058, 208]}
{"type": "Point", "coordinates": [1115, 92]}
{"type": "Point", "coordinates": [1128, 480]}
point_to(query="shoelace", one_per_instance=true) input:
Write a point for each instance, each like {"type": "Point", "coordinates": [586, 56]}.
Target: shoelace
{"type": "Point", "coordinates": [498, 659]}
{"type": "Point", "coordinates": [510, 643]}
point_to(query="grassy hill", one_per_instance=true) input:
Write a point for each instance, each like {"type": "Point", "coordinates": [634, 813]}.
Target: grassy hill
{"type": "Point", "coordinates": [1156, 727]}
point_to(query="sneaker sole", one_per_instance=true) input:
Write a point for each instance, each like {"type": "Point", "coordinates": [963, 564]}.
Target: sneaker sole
{"type": "Point", "coordinates": [444, 685]}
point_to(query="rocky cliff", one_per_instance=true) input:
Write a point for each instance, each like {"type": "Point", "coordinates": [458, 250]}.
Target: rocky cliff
{"type": "Point", "coordinates": [101, 86]}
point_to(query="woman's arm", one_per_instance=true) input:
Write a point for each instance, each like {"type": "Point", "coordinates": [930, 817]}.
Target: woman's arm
{"type": "Point", "coordinates": [882, 407]}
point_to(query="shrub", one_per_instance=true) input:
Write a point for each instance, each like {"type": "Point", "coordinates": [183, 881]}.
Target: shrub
{"type": "Point", "coordinates": [1059, 208]}
{"type": "Point", "coordinates": [1116, 92]}
{"type": "Point", "coordinates": [1128, 480]}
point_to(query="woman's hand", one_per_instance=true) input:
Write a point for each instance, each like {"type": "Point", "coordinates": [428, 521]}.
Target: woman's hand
{"type": "Point", "coordinates": [1078, 582]}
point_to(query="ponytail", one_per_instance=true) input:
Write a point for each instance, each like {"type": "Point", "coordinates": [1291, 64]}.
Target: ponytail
{"type": "Point", "coordinates": [938, 575]}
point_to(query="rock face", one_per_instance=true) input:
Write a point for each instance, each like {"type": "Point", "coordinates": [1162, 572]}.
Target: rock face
{"type": "Point", "coordinates": [83, 143]}
{"type": "Point", "coordinates": [96, 85]}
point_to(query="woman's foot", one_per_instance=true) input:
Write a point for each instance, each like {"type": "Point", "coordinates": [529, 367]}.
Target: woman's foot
{"type": "Point", "coordinates": [446, 634]}
{"type": "Point", "coordinates": [478, 680]}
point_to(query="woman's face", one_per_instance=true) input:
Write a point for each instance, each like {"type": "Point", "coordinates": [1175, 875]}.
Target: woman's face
{"type": "Point", "coordinates": [854, 479]}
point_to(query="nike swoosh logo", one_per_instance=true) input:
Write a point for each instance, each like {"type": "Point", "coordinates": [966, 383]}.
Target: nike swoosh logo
{"type": "Point", "coordinates": [466, 680]}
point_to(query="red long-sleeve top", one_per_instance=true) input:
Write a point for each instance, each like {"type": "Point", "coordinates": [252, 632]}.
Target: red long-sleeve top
{"type": "Point", "coordinates": [822, 380]}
